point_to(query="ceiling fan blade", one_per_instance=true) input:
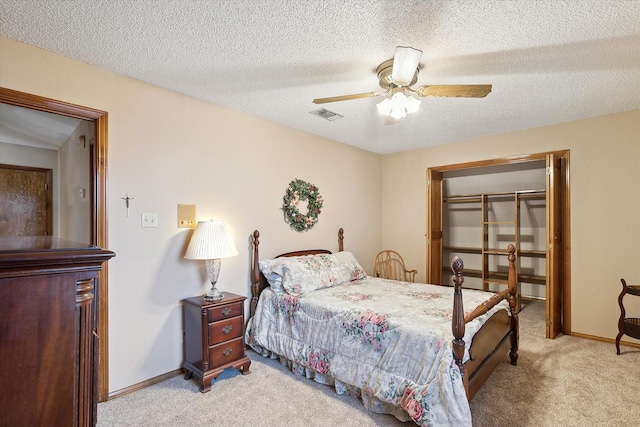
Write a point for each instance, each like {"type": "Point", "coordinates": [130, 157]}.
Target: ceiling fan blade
{"type": "Point", "coordinates": [462, 91]}
{"type": "Point", "coordinates": [346, 97]}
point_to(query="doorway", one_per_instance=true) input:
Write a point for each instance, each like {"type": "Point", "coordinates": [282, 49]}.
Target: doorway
{"type": "Point", "coordinates": [98, 202]}
{"type": "Point", "coordinates": [556, 234]}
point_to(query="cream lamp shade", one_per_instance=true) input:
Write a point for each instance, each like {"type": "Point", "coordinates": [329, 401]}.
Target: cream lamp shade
{"type": "Point", "coordinates": [211, 242]}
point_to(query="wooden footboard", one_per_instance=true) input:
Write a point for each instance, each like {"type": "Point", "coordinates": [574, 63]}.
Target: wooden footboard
{"type": "Point", "coordinates": [497, 336]}
{"type": "Point", "coordinates": [488, 348]}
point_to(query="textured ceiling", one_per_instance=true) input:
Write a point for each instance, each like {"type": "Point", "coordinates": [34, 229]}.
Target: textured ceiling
{"type": "Point", "coordinates": [23, 126]}
{"type": "Point", "coordinates": [549, 61]}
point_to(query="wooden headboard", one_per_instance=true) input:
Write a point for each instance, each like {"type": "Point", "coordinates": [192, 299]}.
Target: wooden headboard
{"type": "Point", "coordinates": [258, 281]}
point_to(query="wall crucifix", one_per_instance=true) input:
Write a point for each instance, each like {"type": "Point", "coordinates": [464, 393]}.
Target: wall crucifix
{"type": "Point", "coordinates": [126, 202]}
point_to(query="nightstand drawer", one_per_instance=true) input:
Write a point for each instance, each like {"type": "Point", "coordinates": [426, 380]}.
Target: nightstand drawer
{"type": "Point", "coordinates": [225, 312]}
{"type": "Point", "coordinates": [226, 352]}
{"type": "Point", "coordinates": [225, 330]}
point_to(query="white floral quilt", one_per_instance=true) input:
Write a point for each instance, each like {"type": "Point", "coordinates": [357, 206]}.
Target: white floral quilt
{"type": "Point", "coordinates": [388, 341]}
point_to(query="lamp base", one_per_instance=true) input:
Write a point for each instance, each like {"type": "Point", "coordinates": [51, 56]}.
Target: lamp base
{"type": "Point", "coordinates": [213, 269]}
{"type": "Point", "coordinates": [213, 295]}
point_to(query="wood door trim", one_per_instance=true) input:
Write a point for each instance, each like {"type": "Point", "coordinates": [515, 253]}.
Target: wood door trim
{"type": "Point", "coordinates": [434, 227]}
{"type": "Point", "coordinates": [99, 220]}
{"type": "Point", "coordinates": [566, 254]}
{"type": "Point", "coordinates": [498, 162]}
{"type": "Point", "coordinates": [566, 215]}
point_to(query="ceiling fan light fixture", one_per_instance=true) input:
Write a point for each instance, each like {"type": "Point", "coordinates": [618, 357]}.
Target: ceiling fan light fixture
{"type": "Point", "coordinates": [385, 106]}
{"type": "Point", "coordinates": [413, 105]}
{"type": "Point", "coordinates": [398, 106]}
{"type": "Point", "coordinates": [398, 113]}
{"type": "Point", "coordinates": [405, 63]}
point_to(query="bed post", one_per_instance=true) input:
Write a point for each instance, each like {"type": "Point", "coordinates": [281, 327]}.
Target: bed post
{"type": "Point", "coordinates": [513, 293]}
{"type": "Point", "coordinates": [255, 272]}
{"type": "Point", "coordinates": [457, 322]}
{"type": "Point", "coordinates": [340, 240]}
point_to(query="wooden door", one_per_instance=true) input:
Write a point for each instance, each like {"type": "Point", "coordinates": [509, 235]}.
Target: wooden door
{"type": "Point", "coordinates": [554, 247]}
{"type": "Point", "coordinates": [434, 227]}
{"type": "Point", "coordinates": [25, 201]}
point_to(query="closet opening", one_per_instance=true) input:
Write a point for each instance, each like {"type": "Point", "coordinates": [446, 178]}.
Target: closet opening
{"type": "Point", "coordinates": [475, 210]}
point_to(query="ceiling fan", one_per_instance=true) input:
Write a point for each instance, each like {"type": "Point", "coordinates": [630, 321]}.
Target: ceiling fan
{"type": "Point", "coordinates": [396, 76]}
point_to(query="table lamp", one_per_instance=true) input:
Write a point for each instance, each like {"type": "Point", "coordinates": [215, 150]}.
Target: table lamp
{"type": "Point", "coordinates": [211, 242]}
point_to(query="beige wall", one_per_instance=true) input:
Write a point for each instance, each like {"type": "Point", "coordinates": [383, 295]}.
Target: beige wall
{"type": "Point", "coordinates": [605, 202]}
{"type": "Point", "coordinates": [166, 149]}
{"type": "Point", "coordinates": [75, 184]}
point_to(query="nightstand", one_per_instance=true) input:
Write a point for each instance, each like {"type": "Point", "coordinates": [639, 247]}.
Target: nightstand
{"type": "Point", "coordinates": [214, 338]}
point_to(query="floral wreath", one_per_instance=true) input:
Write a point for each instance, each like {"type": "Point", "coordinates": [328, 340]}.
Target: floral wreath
{"type": "Point", "coordinates": [297, 191]}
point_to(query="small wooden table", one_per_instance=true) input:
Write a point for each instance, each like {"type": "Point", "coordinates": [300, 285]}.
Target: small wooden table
{"type": "Point", "coordinates": [214, 338]}
{"type": "Point", "coordinates": [627, 325]}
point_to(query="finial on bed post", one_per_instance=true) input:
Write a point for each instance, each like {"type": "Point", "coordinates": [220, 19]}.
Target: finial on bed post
{"type": "Point", "coordinates": [513, 304]}
{"type": "Point", "coordinates": [340, 240]}
{"type": "Point", "coordinates": [255, 279]}
{"type": "Point", "coordinates": [457, 322]}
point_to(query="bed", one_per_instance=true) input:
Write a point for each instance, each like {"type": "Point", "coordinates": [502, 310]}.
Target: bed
{"type": "Point", "coordinates": [406, 349]}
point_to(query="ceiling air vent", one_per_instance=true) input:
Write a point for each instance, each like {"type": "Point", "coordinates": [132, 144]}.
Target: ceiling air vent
{"type": "Point", "coordinates": [326, 114]}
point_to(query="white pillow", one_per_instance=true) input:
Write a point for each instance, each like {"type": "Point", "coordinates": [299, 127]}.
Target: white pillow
{"type": "Point", "coordinates": [303, 274]}
{"type": "Point", "coordinates": [346, 268]}
{"type": "Point", "coordinates": [297, 275]}
{"type": "Point", "coordinates": [272, 271]}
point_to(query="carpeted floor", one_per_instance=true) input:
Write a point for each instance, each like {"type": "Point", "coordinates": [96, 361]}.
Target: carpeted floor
{"type": "Point", "coordinates": [567, 381]}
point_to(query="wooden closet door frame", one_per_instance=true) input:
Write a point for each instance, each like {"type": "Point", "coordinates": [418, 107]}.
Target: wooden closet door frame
{"type": "Point", "coordinates": [434, 211]}
{"type": "Point", "coordinates": [434, 227]}
{"type": "Point", "coordinates": [99, 219]}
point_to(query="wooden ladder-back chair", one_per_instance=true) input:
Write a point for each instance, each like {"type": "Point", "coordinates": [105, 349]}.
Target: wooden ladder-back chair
{"type": "Point", "coordinates": [390, 265]}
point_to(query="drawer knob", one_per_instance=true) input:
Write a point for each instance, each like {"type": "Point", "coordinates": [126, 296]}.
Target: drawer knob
{"type": "Point", "coordinates": [227, 329]}
{"type": "Point", "coordinates": [227, 351]}
{"type": "Point", "coordinates": [226, 311]}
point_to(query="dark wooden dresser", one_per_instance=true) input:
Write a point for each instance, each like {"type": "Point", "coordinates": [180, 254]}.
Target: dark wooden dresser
{"type": "Point", "coordinates": [48, 331]}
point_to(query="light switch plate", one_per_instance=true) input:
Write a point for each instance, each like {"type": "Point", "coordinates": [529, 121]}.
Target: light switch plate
{"type": "Point", "coordinates": [186, 216]}
{"type": "Point", "coordinates": [149, 220]}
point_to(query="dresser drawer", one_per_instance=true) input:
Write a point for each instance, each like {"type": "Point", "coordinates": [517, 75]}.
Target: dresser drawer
{"type": "Point", "coordinates": [225, 312]}
{"type": "Point", "coordinates": [225, 330]}
{"type": "Point", "coordinates": [226, 352]}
